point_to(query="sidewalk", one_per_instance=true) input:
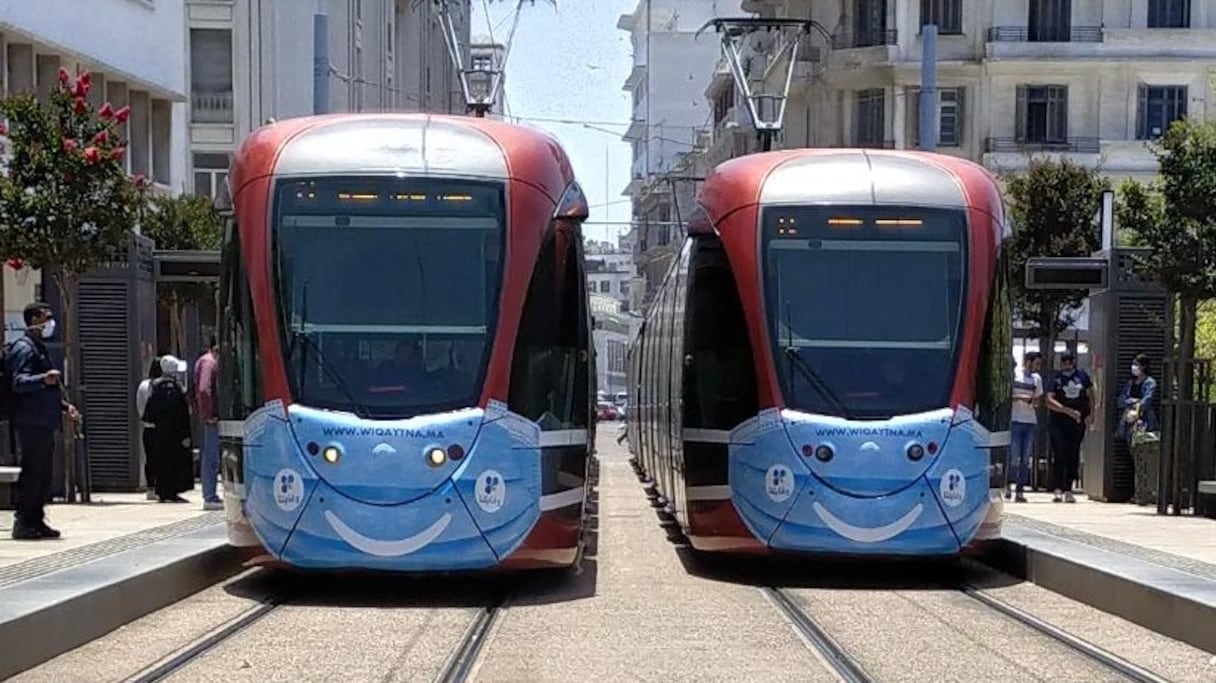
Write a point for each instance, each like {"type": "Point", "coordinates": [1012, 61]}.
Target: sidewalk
{"type": "Point", "coordinates": [111, 523]}
{"type": "Point", "coordinates": [1184, 542]}
{"type": "Point", "coordinates": [1158, 571]}
{"type": "Point", "coordinates": [121, 557]}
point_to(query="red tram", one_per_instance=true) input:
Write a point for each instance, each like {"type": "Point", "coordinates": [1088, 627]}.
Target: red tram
{"type": "Point", "coordinates": [827, 365]}
{"type": "Point", "coordinates": [407, 376]}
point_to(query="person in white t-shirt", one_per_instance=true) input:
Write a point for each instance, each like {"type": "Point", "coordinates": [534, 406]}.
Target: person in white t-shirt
{"type": "Point", "coordinates": [1027, 395]}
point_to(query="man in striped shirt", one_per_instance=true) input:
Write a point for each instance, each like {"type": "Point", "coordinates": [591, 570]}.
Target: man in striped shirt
{"type": "Point", "coordinates": [1027, 395]}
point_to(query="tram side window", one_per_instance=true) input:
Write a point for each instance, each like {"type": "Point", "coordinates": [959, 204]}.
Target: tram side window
{"type": "Point", "coordinates": [240, 391]}
{"type": "Point", "coordinates": [994, 381]}
{"type": "Point", "coordinates": [549, 374]}
{"type": "Point", "coordinates": [720, 385]}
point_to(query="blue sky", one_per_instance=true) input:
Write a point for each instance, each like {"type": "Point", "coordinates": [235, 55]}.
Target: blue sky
{"type": "Point", "coordinates": [564, 75]}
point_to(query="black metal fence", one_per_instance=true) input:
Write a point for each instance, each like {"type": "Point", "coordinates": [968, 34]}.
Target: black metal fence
{"type": "Point", "coordinates": [1188, 434]}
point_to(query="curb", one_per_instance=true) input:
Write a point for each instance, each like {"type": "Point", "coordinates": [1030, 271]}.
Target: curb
{"type": "Point", "coordinates": [1173, 603]}
{"type": "Point", "coordinates": [47, 616]}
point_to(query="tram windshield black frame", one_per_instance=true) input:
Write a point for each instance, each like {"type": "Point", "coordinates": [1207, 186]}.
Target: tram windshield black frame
{"type": "Point", "coordinates": [315, 371]}
{"type": "Point", "coordinates": [865, 366]}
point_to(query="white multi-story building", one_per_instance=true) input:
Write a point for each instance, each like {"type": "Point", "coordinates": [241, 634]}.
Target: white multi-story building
{"type": "Point", "coordinates": [1088, 79]}
{"type": "Point", "coordinates": [252, 60]}
{"type": "Point", "coordinates": [136, 52]}
{"type": "Point", "coordinates": [671, 67]}
{"type": "Point", "coordinates": [610, 272]}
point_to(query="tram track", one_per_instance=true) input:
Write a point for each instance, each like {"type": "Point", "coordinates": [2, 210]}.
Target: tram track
{"type": "Point", "coordinates": [467, 653]}
{"type": "Point", "coordinates": [1099, 655]}
{"type": "Point", "coordinates": [179, 660]}
{"type": "Point", "coordinates": [847, 667]}
{"type": "Point", "coordinates": [457, 668]}
{"type": "Point", "coordinates": [833, 655]}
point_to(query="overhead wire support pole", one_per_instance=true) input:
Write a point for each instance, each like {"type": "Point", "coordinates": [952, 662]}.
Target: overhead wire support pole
{"type": "Point", "coordinates": [480, 87]}
{"type": "Point", "coordinates": [927, 131]}
{"type": "Point", "coordinates": [320, 62]}
{"type": "Point", "coordinates": [732, 30]}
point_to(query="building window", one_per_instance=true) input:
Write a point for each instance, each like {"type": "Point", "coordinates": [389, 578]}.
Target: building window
{"type": "Point", "coordinates": [605, 287]}
{"type": "Point", "coordinates": [871, 27]}
{"type": "Point", "coordinates": [483, 63]}
{"type": "Point", "coordinates": [1158, 107]}
{"type": "Point", "coordinates": [1050, 21]}
{"type": "Point", "coordinates": [870, 118]}
{"type": "Point", "coordinates": [210, 75]}
{"type": "Point", "coordinates": [211, 177]}
{"type": "Point", "coordinates": [1042, 114]}
{"type": "Point", "coordinates": [949, 117]}
{"type": "Point", "coordinates": [946, 14]}
{"type": "Point", "coordinates": [1169, 13]}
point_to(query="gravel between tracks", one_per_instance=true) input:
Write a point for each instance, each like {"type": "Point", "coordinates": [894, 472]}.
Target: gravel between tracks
{"type": "Point", "coordinates": [641, 610]}
{"type": "Point", "coordinates": [940, 635]}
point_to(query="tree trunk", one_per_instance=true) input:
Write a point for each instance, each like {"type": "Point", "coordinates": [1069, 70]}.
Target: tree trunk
{"type": "Point", "coordinates": [73, 479]}
{"type": "Point", "coordinates": [177, 326]}
{"type": "Point", "coordinates": [1185, 408]}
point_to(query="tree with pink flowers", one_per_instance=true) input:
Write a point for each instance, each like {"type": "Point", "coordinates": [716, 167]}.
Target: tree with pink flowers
{"type": "Point", "coordinates": [67, 204]}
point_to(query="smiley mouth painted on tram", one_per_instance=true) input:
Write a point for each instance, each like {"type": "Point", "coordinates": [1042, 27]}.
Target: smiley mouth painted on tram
{"type": "Point", "coordinates": [394, 548]}
{"type": "Point", "coordinates": [861, 534]}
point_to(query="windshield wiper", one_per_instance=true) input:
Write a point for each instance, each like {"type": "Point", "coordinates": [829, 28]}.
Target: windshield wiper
{"type": "Point", "coordinates": [332, 374]}
{"type": "Point", "coordinates": [817, 382]}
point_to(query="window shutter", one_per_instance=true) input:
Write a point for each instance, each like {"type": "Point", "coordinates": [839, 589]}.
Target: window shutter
{"type": "Point", "coordinates": [1020, 115]}
{"type": "Point", "coordinates": [960, 115]}
{"type": "Point", "coordinates": [1142, 113]}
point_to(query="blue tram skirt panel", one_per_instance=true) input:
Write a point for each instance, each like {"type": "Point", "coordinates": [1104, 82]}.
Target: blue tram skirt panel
{"type": "Point", "coordinates": [869, 497]}
{"type": "Point", "coordinates": [383, 504]}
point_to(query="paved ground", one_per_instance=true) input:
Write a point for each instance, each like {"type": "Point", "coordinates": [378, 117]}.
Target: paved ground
{"type": "Point", "coordinates": [641, 610]}
{"type": "Point", "coordinates": [1186, 536]}
{"type": "Point", "coordinates": [108, 516]}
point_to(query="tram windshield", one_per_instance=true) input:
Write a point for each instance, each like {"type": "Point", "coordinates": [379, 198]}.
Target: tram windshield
{"type": "Point", "coordinates": [388, 291]}
{"type": "Point", "coordinates": [864, 306]}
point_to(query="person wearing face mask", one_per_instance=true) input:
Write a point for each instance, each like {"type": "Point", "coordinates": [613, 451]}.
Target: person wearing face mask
{"type": "Point", "coordinates": [1071, 403]}
{"type": "Point", "coordinates": [1136, 401]}
{"type": "Point", "coordinates": [37, 416]}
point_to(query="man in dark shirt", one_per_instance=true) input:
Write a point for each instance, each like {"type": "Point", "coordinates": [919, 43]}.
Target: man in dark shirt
{"type": "Point", "coordinates": [1071, 402]}
{"type": "Point", "coordinates": [37, 416]}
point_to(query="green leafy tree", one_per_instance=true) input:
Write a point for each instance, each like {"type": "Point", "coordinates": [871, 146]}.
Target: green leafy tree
{"type": "Point", "coordinates": [1052, 205]}
{"type": "Point", "coordinates": [67, 204]}
{"type": "Point", "coordinates": [1175, 218]}
{"type": "Point", "coordinates": [1205, 335]}
{"type": "Point", "coordinates": [189, 223]}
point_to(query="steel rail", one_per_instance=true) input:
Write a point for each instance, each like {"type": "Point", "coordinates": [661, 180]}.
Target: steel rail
{"type": "Point", "coordinates": [835, 656]}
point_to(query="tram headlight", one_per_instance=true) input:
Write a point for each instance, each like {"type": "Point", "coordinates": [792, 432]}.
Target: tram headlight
{"type": "Point", "coordinates": [436, 456]}
{"type": "Point", "coordinates": [331, 454]}
{"type": "Point", "coordinates": [915, 452]}
{"type": "Point", "coordinates": [824, 453]}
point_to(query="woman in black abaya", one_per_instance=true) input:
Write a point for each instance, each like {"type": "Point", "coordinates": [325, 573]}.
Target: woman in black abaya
{"type": "Point", "coordinates": [169, 438]}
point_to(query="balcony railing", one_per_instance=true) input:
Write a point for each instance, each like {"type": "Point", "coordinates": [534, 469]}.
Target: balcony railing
{"type": "Point", "coordinates": [211, 107]}
{"type": "Point", "coordinates": [1014, 145]}
{"type": "Point", "coordinates": [849, 41]}
{"type": "Point", "coordinates": [1022, 34]}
